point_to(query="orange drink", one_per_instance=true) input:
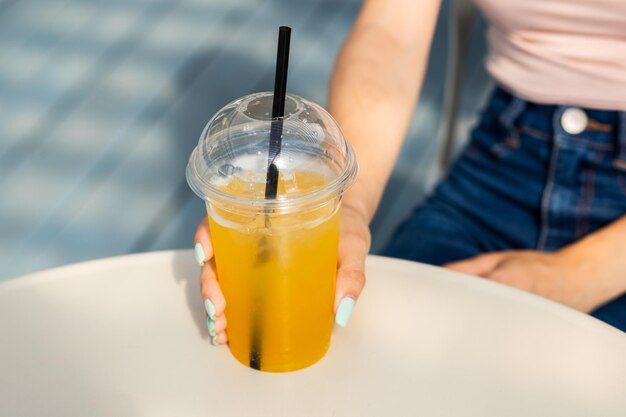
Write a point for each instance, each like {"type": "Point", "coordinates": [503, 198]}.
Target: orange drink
{"type": "Point", "coordinates": [277, 273]}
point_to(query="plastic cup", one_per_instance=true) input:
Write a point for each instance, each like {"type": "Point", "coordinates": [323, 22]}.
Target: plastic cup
{"type": "Point", "coordinates": [276, 258]}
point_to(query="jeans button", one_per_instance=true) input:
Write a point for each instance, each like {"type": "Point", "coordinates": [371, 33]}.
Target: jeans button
{"type": "Point", "coordinates": [574, 120]}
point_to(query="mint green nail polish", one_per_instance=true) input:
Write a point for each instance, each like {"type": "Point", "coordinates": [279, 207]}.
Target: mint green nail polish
{"type": "Point", "coordinates": [210, 308]}
{"type": "Point", "coordinates": [199, 254]}
{"type": "Point", "coordinates": [214, 340]}
{"type": "Point", "coordinates": [210, 324]}
{"type": "Point", "coordinates": [344, 311]}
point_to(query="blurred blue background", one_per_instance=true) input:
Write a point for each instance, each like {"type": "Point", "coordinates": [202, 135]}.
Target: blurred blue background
{"type": "Point", "coordinates": [102, 102]}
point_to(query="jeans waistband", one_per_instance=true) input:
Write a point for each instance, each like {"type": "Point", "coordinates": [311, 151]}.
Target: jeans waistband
{"type": "Point", "coordinates": [606, 128]}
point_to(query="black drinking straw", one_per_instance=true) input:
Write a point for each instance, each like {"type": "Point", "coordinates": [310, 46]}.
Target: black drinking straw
{"type": "Point", "coordinates": [278, 111]}
{"type": "Point", "coordinates": [271, 178]}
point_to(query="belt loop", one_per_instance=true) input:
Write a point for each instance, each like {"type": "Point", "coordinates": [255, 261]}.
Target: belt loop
{"type": "Point", "coordinates": [620, 161]}
{"type": "Point", "coordinates": [557, 127]}
{"type": "Point", "coordinates": [512, 111]}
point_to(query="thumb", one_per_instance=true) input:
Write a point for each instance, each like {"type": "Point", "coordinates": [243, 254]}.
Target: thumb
{"type": "Point", "coordinates": [480, 265]}
{"type": "Point", "coordinates": [354, 244]}
{"type": "Point", "coordinates": [350, 283]}
{"type": "Point", "coordinates": [350, 276]}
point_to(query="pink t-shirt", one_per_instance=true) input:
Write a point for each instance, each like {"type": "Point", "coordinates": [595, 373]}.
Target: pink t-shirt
{"type": "Point", "coordinates": [570, 52]}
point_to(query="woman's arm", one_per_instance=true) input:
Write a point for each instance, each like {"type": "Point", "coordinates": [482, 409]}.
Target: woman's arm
{"type": "Point", "coordinates": [375, 86]}
{"type": "Point", "coordinates": [373, 93]}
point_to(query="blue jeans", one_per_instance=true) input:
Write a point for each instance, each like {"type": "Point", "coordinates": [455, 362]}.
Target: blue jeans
{"type": "Point", "coordinates": [523, 182]}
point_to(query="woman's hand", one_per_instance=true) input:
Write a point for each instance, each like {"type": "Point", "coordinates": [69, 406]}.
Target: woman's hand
{"type": "Point", "coordinates": [354, 243]}
{"type": "Point", "coordinates": [559, 276]}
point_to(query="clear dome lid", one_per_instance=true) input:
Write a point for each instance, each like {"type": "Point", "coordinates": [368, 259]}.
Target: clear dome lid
{"type": "Point", "coordinates": [231, 160]}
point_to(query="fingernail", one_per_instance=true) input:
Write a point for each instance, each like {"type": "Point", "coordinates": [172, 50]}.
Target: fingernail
{"type": "Point", "coordinates": [199, 254]}
{"type": "Point", "coordinates": [344, 311]}
{"type": "Point", "coordinates": [214, 340]}
{"type": "Point", "coordinates": [210, 324]}
{"type": "Point", "coordinates": [210, 308]}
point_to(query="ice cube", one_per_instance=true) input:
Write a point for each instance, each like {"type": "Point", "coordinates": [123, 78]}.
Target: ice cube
{"type": "Point", "coordinates": [289, 181]}
{"type": "Point", "coordinates": [219, 181]}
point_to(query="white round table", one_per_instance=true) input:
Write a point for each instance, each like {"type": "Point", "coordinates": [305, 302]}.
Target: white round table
{"type": "Point", "coordinates": [127, 337]}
